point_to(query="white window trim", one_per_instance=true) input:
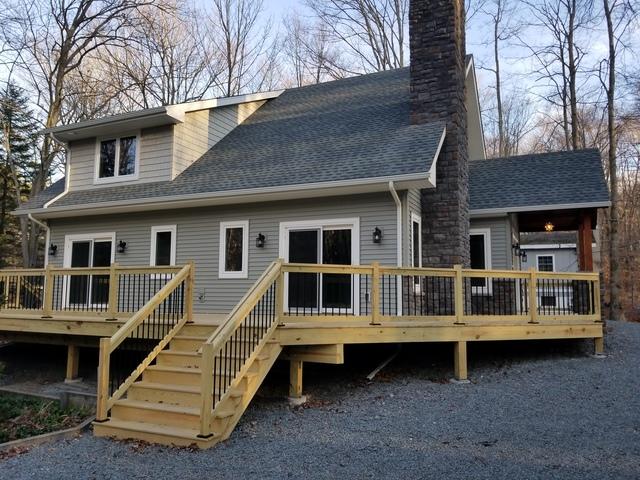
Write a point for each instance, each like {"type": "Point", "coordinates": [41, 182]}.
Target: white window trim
{"type": "Point", "coordinates": [486, 232]}
{"type": "Point", "coordinates": [174, 234]}
{"type": "Point", "coordinates": [553, 260]}
{"type": "Point", "coordinates": [244, 273]}
{"type": "Point", "coordinates": [116, 178]}
{"type": "Point", "coordinates": [352, 224]}
{"type": "Point", "coordinates": [66, 261]}
{"type": "Point", "coordinates": [415, 218]}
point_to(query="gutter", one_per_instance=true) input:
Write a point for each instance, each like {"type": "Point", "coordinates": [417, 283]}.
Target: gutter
{"type": "Point", "coordinates": [398, 203]}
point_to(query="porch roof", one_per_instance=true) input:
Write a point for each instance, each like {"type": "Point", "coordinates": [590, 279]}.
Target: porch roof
{"type": "Point", "coordinates": [538, 182]}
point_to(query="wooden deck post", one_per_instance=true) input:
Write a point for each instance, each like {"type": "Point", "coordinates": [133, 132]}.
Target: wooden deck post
{"type": "Point", "coordinates": [189, 292]}
{"type": "Point", "coordinates": [206, 390]}
{"type": "Point", "coordinates": [375, 294]}
{"type": "Point", "coordinates": [295, 378]}
{"type": "Point", "coordinates": [73, 363]}
{"type": "Point", "coordinates": [103, 380]}
{"type": "Point", "coordinates": [460, 360]}
{"type": "Point", "coordinates": [459, 295]}
{"type": "Point", "coordinates": [598, 344]}
{"type": "Point", "coordinates": [533, 296]}
{"type": "Point", "coordinates": [47, 301]}
{"type": "Point", "coordinates": [112, 307]}
{"type": "Point", "coordinates": [280, 297]}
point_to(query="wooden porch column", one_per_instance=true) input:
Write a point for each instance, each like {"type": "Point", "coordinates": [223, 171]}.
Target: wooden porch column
{"type": "Point", "coordinates": [585, 241]}
{"type": "Point", "coordinates": [73, 363]}
{"type": "Point", "coordinates": [295, 379]}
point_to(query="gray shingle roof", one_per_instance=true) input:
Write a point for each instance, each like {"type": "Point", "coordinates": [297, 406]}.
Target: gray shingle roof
{"type": "Point", "coordinates": [546, 179]}
{"type": "Point", "coordinates": [46, 195]}
{"type": "Point", "coordinates": [344, 130]}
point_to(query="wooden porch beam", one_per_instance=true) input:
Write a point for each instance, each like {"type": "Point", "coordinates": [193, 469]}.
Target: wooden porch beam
{"type": "Point", "coordinates": [460, 360]}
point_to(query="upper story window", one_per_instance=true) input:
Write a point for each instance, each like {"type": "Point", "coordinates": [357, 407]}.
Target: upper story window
{"type": "Point", "coordinates": [117, 159]}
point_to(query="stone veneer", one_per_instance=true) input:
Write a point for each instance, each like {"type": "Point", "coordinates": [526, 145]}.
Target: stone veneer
{"type": "Point", "coordinates": [437, 45]}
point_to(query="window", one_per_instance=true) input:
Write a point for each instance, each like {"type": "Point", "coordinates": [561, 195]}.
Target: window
{"type": "Point", "coordinates": [117, 159]}
{"type": "Point", "coordinates": [163, 245]}
{"type": "Point", "coordinates": [327, 242]}
{"type": "Point", "coordinates": [545, 263]}
{"type": "Point", "coordinates": [234, 253]}
{"type": "Point", "coordinates": [480, 253]}
{"type": "Point", "coordinates": [548, 301]}
{"type": "Point", "coordinates": [416, 240]}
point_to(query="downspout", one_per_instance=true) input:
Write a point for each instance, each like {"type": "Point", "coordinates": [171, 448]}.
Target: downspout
{"type": "Point", "coordinates": [396, 199]}
{"type": "Point", "coordinates": [47, 236]}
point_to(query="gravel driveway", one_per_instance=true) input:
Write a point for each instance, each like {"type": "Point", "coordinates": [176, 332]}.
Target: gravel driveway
{"type": "Point", "coordinates": [533, 410]}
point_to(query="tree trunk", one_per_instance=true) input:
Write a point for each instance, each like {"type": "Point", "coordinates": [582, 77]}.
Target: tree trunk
{"type": "Point", "coordinates": [613, 251]}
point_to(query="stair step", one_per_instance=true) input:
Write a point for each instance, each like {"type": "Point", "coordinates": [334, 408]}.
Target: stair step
{"type": "Point", "coordinates": [157, 413]}
{"type": "Point", "coordinates": [172, 394]}
{"type": "Point", "coordinates": [187, 342]}
{"type": "Point", "coordinates": [181, 358]}
{"type": "Point", "coordinates": [181, 375]}
{"type": "Point", "coordinates": [151, 432]}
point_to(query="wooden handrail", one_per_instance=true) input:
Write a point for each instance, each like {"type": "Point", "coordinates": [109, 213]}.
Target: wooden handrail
{"type": "Point", "coordinates": [145, 311]}
{"type": "Point", "coordinates": [247, 302]}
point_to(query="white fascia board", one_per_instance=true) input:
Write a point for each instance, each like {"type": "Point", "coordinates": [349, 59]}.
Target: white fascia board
{"type": "Point", "coordinates": [311, 190]}
{"type": "Point", "coordinates": [226, 101]}
{"type": "Point", "coordinates": [537, 208]}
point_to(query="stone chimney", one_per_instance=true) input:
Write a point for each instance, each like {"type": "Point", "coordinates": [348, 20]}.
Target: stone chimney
{"type": "Point", "coordinates": [437, 45]}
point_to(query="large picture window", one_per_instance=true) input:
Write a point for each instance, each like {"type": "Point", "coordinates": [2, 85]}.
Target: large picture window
{"type": "Point", "coordinates": [163, 245]}
{"type": "Point", "coordinates": [234, 253]}
{"type": "Point", "coordinates": [117, 159]}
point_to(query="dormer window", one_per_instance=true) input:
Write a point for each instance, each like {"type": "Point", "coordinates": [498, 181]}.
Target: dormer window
{"type": "Point", "coordinates": [117, 159]}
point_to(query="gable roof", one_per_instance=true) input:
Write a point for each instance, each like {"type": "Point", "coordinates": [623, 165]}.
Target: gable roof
{"type": "Point", "coordinates": [353, 131]}
{"type": "Point", "coordinates": [546, 181]}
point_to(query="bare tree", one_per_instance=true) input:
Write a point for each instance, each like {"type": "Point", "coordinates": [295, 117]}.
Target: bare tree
{"type": "Point", "coordinates": [619, 15]}
{"type": "Point", "coordinates": [244, 38]}
{"type": "Point", "coordinates": [559, 59]}
{"type": "Point", "coordinates": [50, 41]}
{"type": "Point", "coordinates": [500, 13]}
{"type": "Point", "coordinates": [373, 32]}
{"type": "Point", "coordinates": [172, 59]}
{"type": "Point", "coordinates": [309, 52]}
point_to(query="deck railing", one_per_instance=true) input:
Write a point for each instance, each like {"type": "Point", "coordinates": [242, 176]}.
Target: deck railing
{"type": "Point", "coordinates": [106, 291]}
{"type": "Point", "coordinates": [456, 295]}
{"type": "Point", "coordinates": [125, 355]}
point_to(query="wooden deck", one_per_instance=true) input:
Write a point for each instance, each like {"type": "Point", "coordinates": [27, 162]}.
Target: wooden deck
{"type": "Point", "coordinates": [188, 377]}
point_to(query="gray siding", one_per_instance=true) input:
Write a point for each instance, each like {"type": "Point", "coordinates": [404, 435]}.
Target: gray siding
{"type": "Point", "coordinates": [500, 240]}
{"type": "Point", "coordinates": [565, 259]}
{"type": "Point", "coordinates": [155, 159]}
{"type": "Point", "coordinates": [199, 231]}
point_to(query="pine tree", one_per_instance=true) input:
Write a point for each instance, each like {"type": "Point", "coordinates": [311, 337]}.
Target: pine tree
{"type": "Point", "coordinates": [18, 150]}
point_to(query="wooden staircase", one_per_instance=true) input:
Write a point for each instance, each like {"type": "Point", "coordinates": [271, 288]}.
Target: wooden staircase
{"type": "Point", "coordinates": [165, 405]}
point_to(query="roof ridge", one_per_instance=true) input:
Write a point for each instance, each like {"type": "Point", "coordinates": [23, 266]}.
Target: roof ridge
{"type": "Point", "coordinates": [538, 154]}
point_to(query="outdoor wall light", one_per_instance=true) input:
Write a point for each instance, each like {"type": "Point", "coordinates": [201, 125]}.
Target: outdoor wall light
{"type": "Point", "coordinates": [122, 246]}
{"type": "Point", "coordinates": [519, 252]}
{"type": "Point", "coordinates": [377, 235]}
{"type": "Point", "coordinates": [548, 227]}
{"type": "Point", "coordinates": [260, 240]}
{"type": "Point", "coordinates": [53, 249]}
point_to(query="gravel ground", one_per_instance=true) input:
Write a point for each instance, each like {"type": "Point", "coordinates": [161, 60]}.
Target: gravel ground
{"type": "Point", "coordinates": [533, 410]}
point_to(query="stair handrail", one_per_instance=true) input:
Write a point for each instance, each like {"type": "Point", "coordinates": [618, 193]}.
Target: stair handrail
{"type": "Point", "coordinates": [252, 296]}
{"type": "Point", "coordinates": [109, 344]}
{"type": "Point", "coordinates": [215, 343]}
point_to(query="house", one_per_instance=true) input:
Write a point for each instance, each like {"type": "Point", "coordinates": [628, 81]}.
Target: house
{"type": "Point", "coordinates": [303, 220]}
